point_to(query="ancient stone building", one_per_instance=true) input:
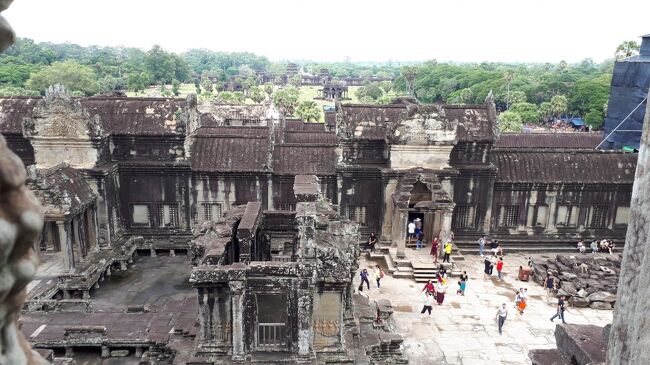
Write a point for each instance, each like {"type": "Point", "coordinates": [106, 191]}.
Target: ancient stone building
{"type": "Point", "coordinates": [159, 167]}
{"type": "Point", "coordinates": [333, 92]}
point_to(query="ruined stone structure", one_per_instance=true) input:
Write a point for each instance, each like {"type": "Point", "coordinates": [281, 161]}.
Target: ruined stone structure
{"type": "Point", "coordinates": [261, 291]}
{"type": "Point", "coordinates": [333, 92]}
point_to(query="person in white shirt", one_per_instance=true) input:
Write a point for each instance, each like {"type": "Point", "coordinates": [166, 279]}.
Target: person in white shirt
{"type": "Point", "coordinates": [428, 303]}
{"type": "Point", "coordinates": [411, 230]}
{"type": "Point", "coordinates": [502, 314]}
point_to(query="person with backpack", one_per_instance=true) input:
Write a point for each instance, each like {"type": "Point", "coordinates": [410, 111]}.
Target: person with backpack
{"type": "Point", "coordinates": [379, 274]}
{"type": "Point", "coordinates": [364, 278]}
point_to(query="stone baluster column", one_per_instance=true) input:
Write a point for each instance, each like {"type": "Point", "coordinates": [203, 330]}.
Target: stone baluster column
{"type": "Point", "coordinates": [400, 230]}
{"type": "Point", "coordinates": [305, 329]}
{"type": "Point", "coordinates": [630, 333]}
{"type": "Point", "coordinates": [65, 242]}
{"type": "Point", "coordinates": [237, 307]}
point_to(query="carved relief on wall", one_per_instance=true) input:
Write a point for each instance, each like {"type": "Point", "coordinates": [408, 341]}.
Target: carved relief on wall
{"type": "Point", "coordinates": [326, 319]}
{"type": "Point", "coordinates": [423, 125]}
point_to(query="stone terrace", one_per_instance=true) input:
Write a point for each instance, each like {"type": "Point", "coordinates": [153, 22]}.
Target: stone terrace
{"type": "Point", "coordinates": [463, 330]}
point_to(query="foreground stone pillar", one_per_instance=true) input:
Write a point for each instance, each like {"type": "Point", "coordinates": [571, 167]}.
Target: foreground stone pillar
{"type": "Point", "coordinates": [629, 339]}
{"type": "Point", "coordinates": [21, 221]}
{"type": "Point", "coordinates": [305, 330]}
{"type": "Point", "coordinates": [400, 230]}
{"type": "Point", "coordinates": [237, 298]}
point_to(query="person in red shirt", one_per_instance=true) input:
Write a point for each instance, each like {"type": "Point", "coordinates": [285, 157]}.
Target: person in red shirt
{"type": "Point", "coordinates": [429, 288]}
{"type": "Point", "coordinates": [499, 267]}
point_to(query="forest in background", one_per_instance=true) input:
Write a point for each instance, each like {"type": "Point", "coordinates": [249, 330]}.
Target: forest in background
{"type": "Point", "coordinates": [524, 93]}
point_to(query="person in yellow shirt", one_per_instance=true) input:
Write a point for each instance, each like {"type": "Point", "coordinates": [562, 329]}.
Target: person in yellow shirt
{"type": "Point", "coordinates": [447, 250]}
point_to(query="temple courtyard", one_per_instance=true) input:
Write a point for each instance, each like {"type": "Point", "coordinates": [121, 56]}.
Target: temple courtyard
{"type": "Point", "coordinates": [463, 330]}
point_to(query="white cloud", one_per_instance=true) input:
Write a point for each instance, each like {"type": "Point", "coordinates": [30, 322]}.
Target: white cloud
{"type": "Point", "coordinates": [379, 30]}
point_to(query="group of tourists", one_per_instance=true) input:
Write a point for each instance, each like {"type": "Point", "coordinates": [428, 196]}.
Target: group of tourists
{"type": "Point", "coordinates": [491, 263]}
{"type": "Point", "coordinates": [377, 273]}
{"type": "Point", "coordinates": [446, 248]}
{"type": "Point", "coordinates": [495, 246]}
{"type": "Point", "coordinates": [604, 246]}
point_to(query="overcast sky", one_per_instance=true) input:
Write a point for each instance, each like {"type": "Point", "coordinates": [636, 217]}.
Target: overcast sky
{"type": "Point", "coordinates": [331, 30]}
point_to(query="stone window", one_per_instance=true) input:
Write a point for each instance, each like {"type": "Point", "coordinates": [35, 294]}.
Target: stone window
{"type": "Point", "coordinates": [567, 216]}
{"type": "Point", "coordinates": [622, 216]}
{"type": "Point", "coordinates": [271, 320]}
{"type": "Point", "coordinates": [285, 206]}
{"type": "Point", "coordinates": [465, 216]}
{"type": "Point", "coordinates": [357, 213]}
{"type": "Point", "coordinates": [537, 216]}
{"type": "Point", "coordinates": [508, 215]}
{"type": "Point", "coordinates": [140, 215]}
{"type": "Point", "coordinates": [168, 215]}
{"type": "Point", "coordinates": [598, 216]}
{"type": "Point", "coordinates": [211, 211]}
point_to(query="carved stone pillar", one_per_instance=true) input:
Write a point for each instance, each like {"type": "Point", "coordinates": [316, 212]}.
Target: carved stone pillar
{"type": "Point", "coordinates": [305, 329]}
{"type": "Point", "coordinates": [400, 231]}
{"type": "Point", "coordinates": [237, 305]}
{"type": "Point", "coordinates": [65, 242]}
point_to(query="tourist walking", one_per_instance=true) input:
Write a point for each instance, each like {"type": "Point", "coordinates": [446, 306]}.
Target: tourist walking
{"type": "Point", "coordinates": [499, 267]}
{"type": "Point", "coordinates": [372, 241]}
{"type": "Point", "coordinates": [434, 249]}
{"type": "Point", "coordinates": [502, 314]}
{"type": "Point", "coordinates": [462, 283]}
{"type": "Point", "coordinates": [364, 278]}
{"type": "Point", "coordinates": [428, 287]}
{"type": "Point", "coordinates": [447, 251]}
{"type": "Point", "coordinates": [486, 269]}
{"type": "Point", "coordinates": [440, 292]}
{"type": "Point", "coordinates": [481, 245]}
{"type": "Point", "coordinates": [379, 274]}
{"type": "Point", "coordinates": [560, 309]}
{"type": "Point", "coordinates": [428, 304]}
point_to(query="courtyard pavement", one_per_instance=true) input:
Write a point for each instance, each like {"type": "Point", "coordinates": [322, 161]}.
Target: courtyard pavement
{"type": "Point", "coordinates": [463, 330]}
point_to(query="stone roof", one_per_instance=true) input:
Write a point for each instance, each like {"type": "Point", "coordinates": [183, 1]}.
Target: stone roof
{"type": "Point", "coordinates": [61, 189]}
{"type": "Point", "coordinates": [301, 125]}
{"type": "Point", "coordinates": [235, 152]}
{"type": "Point", "coordinates": [118, 115]}
{"type": "Point", "coordinates": [371, 122]}
{"type": "Point", "coordinates": [576, 140]}
{"type": "Point", "coordinates": [299, 158]}
{"type": "Point", "coordinates": [13, 110]}
{"type": "Point", "coordinates": [310, 137]}
{"type": "Point", "coordinates": [585, 167]}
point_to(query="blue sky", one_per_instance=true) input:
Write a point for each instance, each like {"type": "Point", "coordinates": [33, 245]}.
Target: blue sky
{"type": "Point", "coordinates": [333, 30]}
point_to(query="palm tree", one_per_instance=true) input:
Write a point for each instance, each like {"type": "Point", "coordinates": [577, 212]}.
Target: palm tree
{"type": "Point", "coordinates": [627, 49]}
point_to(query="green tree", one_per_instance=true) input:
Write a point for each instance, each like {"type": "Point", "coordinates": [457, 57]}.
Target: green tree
{"type": "Point", "coordinates": [462, 96]}
{"type": "Point", "coordinates": [517, 97]}
{"type": "Point", "coordinates": [510, 122]}
{"type": "Point", "coordinates": [176, 86]}
{"type": "Point", "coordinates": [71, 74]}
{"type": "Point", "coordinates": [527, 111]}
{"type": "Point", "coordinates": [545, 111]}
{"type": "Point", "coordinates": [161, 65]}
{"type": "Point", "coordinates": [136, 81]}
{"type": "Point", "coordinates": [559, 105]}
{"type": "Point", "coordinates": [387, 86]}
{"type": "Point", "coordinates": [206, 84]}
{"type": "Point", "coordinates": [409, 73]}
{"type": "Point", "coordinates": [627, 49]}
{"type": "Point", "coordinates": [286, 100]}
{"type": "Point", "coordinates": [308, 111]}
{"type": "Point", "coordinates": [256, 94]}
{"type": "Point", "coordinates": [594, 119]}
{"type": "Point", "coordinates": [268, 89]}
{"type": "Point", "coordinates": [227, 97]}
{"type": "Point", "coordinates": [295, 81]}
{"type": "Point", "coordinates": [276, 69]}
{"type": "Point", "coordinates": [589, 95]}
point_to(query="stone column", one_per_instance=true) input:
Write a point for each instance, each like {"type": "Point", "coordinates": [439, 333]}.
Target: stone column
{"type": "Point", "coordinates": [446, 224]}
{"type": "Point", "coordinates": [389, 210]}
{"type": "Point", "coordinates": [65, 242]}
{"type": "Point", "coordinates": [630, 333]}
{"type": "Point", "coordinates": [305, 330]}
{"type": "Point", "coordinates": [237, 300]}
{"type": "Point", "coordinates": [269, 192]}
{"type": "Point", "coordinates": [204, 315]}
{"type": "Point", "coordinates": [400, 232]}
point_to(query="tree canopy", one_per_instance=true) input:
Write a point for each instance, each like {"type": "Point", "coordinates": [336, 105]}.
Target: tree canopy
{"type": "Point", "coordinates": [71, 74]}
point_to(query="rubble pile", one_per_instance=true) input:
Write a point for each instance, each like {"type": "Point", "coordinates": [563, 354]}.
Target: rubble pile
{"type": "Point", "coordinates": [590, 280]}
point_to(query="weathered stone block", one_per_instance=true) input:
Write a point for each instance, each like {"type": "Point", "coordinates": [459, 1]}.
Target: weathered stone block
{"type": "Point", "coordinates": [579, 302]}
{"type": "Point", "coordinates": [548, 357]}
{"type": "Point", "coordinates": [584, 343]}
{"type": "Point", "coordinates": [119, 353]}
{"type": "Point", "coordinates": [600, 305]}
{"type": "Point", "coordinates": [602, 296]}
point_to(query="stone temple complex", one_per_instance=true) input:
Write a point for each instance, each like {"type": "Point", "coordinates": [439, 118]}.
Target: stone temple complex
{"type": "Point", "coordinates": [176, 233]}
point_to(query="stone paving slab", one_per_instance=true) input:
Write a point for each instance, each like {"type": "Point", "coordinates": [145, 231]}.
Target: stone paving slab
{"type": "Point", "coordinates": [463, 330]}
